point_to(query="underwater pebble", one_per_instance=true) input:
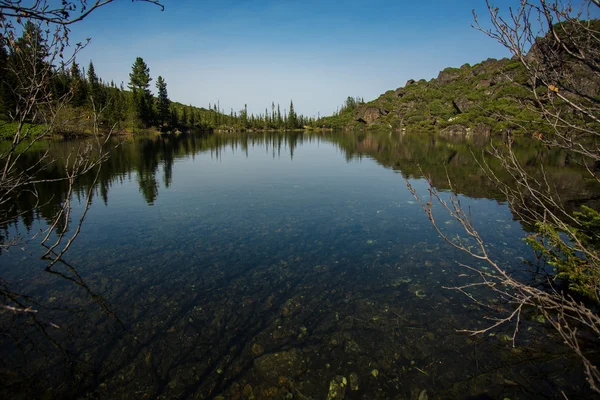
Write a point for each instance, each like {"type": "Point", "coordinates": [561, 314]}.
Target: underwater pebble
{"type": "Point", "coordinates": [257, 349]}
{"type": "Point", "coordinates": [353, 381]}
{"type": "Point", "coordinates": [337, 388]}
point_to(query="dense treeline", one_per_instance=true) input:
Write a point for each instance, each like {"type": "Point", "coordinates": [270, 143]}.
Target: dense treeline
{"type": "Point", "coordinates": [273, 119]}
{"type": "Point", "coordinates": [83, 95]}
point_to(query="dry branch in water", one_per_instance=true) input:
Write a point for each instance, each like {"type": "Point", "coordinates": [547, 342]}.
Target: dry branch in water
{"type": "Point", "coordinates": [564, 313]}
{"type": "Point", "coordinates": [36, 37]}
{"type": "Point", "coordinates": [559, 49]}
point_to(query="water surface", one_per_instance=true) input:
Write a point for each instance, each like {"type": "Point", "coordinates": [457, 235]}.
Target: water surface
{"type": "Point", "coordinates": [272, 266]}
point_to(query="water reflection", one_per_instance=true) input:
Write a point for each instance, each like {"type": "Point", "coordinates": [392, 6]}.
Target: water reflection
{"type": "Point", "coordinates": [273, 266]}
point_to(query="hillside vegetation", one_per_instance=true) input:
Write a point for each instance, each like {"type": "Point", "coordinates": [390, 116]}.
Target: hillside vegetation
{"type": "Point", "coordinates": [492, 96]}
{"type": "Point", "coordinates": [458, 99]}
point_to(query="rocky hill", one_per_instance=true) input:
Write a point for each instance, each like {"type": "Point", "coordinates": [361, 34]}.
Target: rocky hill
{"type": "Point", "coordinates": [470, 99]}
{"type": "Point", "coordinates": [492, 96]}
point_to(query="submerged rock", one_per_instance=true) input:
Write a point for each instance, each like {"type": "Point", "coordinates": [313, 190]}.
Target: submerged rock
{"type": "Point", "coordinates": [417, 290]}
{"type": "Point", "coordinates": [337, 388]}
{"type": "Point", "coordinates": [257, 349]}
{"type": "Point", "coordinates": [353, 381]}
{"type": "Point", "coordinates": [285, 363]}
{"type": "Point", "coordinates": [248, 392]}
{"type": "Point", "coordinates": [351, 347]}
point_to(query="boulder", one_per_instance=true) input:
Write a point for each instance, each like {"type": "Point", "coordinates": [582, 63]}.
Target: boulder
{"type": "Point", "coordinates": [448, 75]}
{"type": "Point", "coordinates": [370, 115]}
{"type": "Point", "coordinates": [584, 81]}
{"type": "Point", "coordinates": [400, 92]}
{"type": "Point", "coordinates": [462, 104]}
{"type": "Point", "coordinates": [410, 82]}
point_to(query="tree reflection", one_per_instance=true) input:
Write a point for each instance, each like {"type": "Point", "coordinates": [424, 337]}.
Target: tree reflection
{"type": "Point", "coordinates": [189, 328]}
{"type": "Point", "coordinates": [148, 157]}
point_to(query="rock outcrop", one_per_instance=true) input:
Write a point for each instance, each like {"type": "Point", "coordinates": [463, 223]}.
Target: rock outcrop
{"type": "Point", "coordinates": [371, 114]}
{"type": "Point", "coordinates": [468, 100]}
{"type": "Point", "coordinates": [462, 104]}
{"type": "Point", "coordinates": [448, 75]}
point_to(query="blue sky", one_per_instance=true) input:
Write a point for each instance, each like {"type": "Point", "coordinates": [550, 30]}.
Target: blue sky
{"type": "Point", "coordinates": [314, 52]}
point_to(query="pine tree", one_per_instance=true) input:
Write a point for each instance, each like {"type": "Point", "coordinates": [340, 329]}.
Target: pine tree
{"type": "Point", "coordinates": [273, 113]}
{"type": "Point", "coordinates": [192, 116]}
{"type": "Point", "coordinates": [139, 83]}
{"type": "Point", "coordinates": [174, 118]}
{"type": "Point", "coordinates": [60, 82]}
{"type": "Point", "coordinates": [292, 120]}
{"type": "Point", "coordinates": [78, 86]}
{"type": "Point", "coordinates": [95, 88]}
{"type": "Point", "coordinates": [28, 68]}
{"type": "Point", "coordinates": [184, 116]}
{"type": "Point", "coordinates": [116, 104]}
{"type": "Point", "coordinates": [162, 102]}
{"type": "Point", "coordinates": [91, 75]}
{"type": "Point", "coordinates": [32, 49]}
{"type": "Point", "coordinates": [266, 120]}
{"type": "Point", "coordinates": [279, 120]}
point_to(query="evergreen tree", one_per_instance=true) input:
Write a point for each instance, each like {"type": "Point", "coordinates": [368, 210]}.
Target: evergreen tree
{"type": "Point", "coordinates": [95, 88]}
{"type": "Point", "coordinates": [91, 75]}
{"type": "Point", "coordinates": [116, 103]}
{"type": "Point", "coordinates": [279, 119]}
{"type": "Point", "coordinates": [162, 102]}
{"type": "Point", "coordinates": [192, 116]}
{"type": "Point", "coordinates": [78, 86]}
{"type": "Point", "coordinates": [273, 113]}
{"type": "Point", "coordinates": [61, 82]}
{"type": "Point", "coordinates": [32, 49]}
{"type": "Point", "coordinates": [139, 83]}
{"type": "Point", "coordinates": [184, 116]}
{"type": "Point", "coordinates": [266, 120]}
{"type": "Point", "coordinates": [25, 66]}
{"type": "Point", "coordinates": [174, 118]}
{"type": "Point", "coordinates": [292, 120]}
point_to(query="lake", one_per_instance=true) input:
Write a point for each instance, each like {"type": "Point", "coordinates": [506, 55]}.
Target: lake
{"type": "Point", "coordinates": [276, 266]}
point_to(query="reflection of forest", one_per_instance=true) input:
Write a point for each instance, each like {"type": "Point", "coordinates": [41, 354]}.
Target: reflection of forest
{"type": "Point", "coordinates": [148, 157]}
{"type": "Point", "coordinates": [211, 316]}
